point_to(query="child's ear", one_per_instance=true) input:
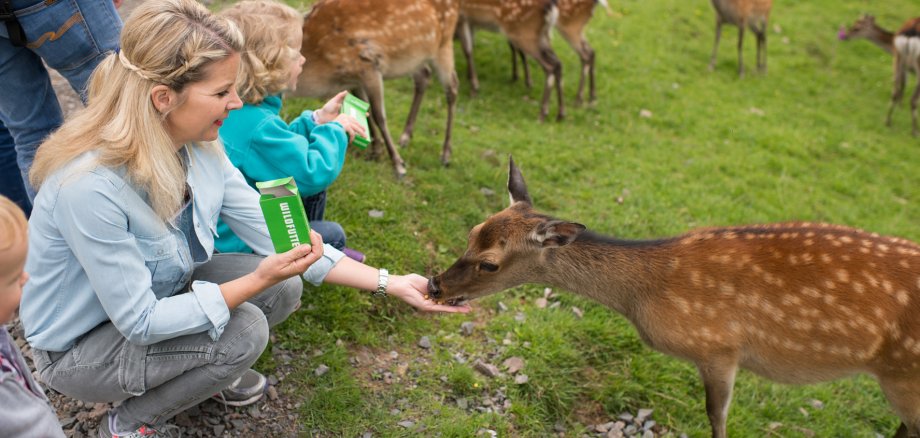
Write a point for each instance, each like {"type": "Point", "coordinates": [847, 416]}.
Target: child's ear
{"type": "Point", "coordinates": [163, 98]}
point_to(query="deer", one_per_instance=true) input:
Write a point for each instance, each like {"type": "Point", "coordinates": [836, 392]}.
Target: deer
{"type": "Point", "coordinates": [357, 44]}
{"type": "Point", "coordinates": [574, 16]}
{"type": "Point", "coordinates": [905, 46]}
{"type": "Point", "coordinates": [527, 24]}
{"type": "Point", "coordinates": [794, 302]}
{"type": "Point", "coordinates": [752, 14]}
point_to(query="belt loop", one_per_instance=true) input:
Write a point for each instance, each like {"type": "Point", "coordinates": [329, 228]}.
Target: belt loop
{"type": "Point", "coordinates": [15, 30]}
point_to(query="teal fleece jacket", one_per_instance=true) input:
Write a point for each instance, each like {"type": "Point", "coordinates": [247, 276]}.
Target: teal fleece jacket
{"type": "Point", "coordinates": [263, 147]}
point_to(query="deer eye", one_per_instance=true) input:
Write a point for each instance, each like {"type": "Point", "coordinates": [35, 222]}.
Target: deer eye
{"type": "Point", "coordinates": [488, 267]}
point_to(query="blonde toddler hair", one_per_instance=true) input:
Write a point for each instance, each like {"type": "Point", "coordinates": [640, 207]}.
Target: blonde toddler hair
{"type": "Point", "coordinates": [13, 224]}
{"type": "Point", "coordinates": [168, 42]}
{"type": "Point", "coordinates": [271, 30]}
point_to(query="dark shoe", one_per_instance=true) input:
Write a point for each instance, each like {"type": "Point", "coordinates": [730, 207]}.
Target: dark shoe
{"type": "Point", "coordinates": [245, 390]}
{"type": "Point", "coordinates": [354, 254]}
{"type": "Point", "coordinates": [105, 431]}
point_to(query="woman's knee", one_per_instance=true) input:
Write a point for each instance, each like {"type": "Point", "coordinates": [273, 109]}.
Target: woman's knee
{"type": "Point", "coordinates": [244, 338]}
{"type": "Point", "coordinates": [288, 300]}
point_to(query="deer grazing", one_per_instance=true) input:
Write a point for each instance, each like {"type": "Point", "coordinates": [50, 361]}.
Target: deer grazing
{"type": "Point", "coordinates": [752, 14]}
{"type": "Point", "coordinates": [527, 25]}
{"type": "Point", "coordinates": [357, 44]}
{"type": "Point", "coordinates": [574, 16]}
{"type": "Point", "coordinates": [905, 46]}
{"type": "Point", "coordinates": [793, 302]}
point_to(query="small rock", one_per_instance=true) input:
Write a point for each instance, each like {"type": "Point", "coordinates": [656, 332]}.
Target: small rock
{"type": "Point", "coordinates": [643, 415]}
{"type": "Point", "coordinates": [627, 417]}
{"type": "Point", "coordinates": [648, 434]}
{"type": "Point", "coordinates": [367, 435]}
{"type": "Point", "coordinates": [631, 430]}
{"type": "Point", "coordinates": [402, 369]}
{"type": "Point", "coordinates": [502, 307]}
{"type": "Point", "coordinates": [757, 111]}
{"type": "Point", "coordinates": [219, 429]}
{"type": "Point", "coordinates": [320, 370]}
{"type": "Point", "coordinates": [578, 312]}
{"type": "Point", "coordinates": [462, 403]}
{"type": "Point", "coordinates": [407, 424]}
{"type": "Point", "coordinates": [521, 379]}
{"type": "Point", "coordinates": [375, 214]}
{"type": "Point", "coordinates": [486, 369]}
{"type": "Point", "coordinates": [520, 317]}
{"type": "Point", "coordinates": [604, 427]}
{"type": "Point", "coordinates": [466, 329]}
{"type": "Point", "coordinates": [513, 364]}
{"type": "Point", "coordinates": [540, 303]}
{"type": "Point", "coordinates": [646, 114]}
{"type": "Point", "coordinates": [487, 432]}
{"type": "Point", "coordinates": [803, 412]}
{"type": "Point", "coordinates": [272, 393]}
{"type": "Point", "coordinates": [424, 343]}
{"type": "Point", "coordinates": [487, 191]}
{"type": "Point", "coordinates": [559, 427]}
{"type": "Point", "coordinates": [648, 425]}
{"type": "Point", "coordinates": [817, 404]}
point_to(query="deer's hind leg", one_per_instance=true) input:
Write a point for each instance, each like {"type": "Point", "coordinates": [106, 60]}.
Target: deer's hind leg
{"type": "Point", "coordinates": [903, 393]}
{"type": "Point", "coordinates": [372, 85]}
{"type": "Point", "coordinates": [447, 75]}
{"type": "Point", "coordinates": [900, 78]}
{"type": "Point", "coordinates": [718, 380]}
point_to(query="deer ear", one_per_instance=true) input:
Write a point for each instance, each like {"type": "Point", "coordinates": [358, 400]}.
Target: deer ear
{"type": "Point", "coordinates": [552, 234]}
{"type": "Point", "coordinates": [517, 188]}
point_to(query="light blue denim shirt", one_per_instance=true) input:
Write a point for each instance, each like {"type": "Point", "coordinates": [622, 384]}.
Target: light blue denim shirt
{"type": "Point", "coordinates": [98, 252]}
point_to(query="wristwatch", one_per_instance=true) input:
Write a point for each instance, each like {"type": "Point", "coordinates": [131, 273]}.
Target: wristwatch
{"type": "Point", "coordinates": [382, 279]}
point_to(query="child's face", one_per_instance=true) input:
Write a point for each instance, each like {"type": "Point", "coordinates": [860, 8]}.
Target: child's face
{"type": "Point", "coordinates": [12, 279]}
{"type": "Point", "coordinates": [297, 66]}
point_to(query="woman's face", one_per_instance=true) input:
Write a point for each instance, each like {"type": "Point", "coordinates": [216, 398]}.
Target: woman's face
{"type": "Point", "coordinates": [205, 104]}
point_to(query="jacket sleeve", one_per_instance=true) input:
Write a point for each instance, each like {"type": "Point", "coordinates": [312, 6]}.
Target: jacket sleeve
{"type": "Point", "coordinates": [24, 414]}
{"type": "Point", "coordinates": [123, 284]}
{"type": "Point", "coordinates": [241, 211]}
{"type": "Point", "coordinates": [314, 157]}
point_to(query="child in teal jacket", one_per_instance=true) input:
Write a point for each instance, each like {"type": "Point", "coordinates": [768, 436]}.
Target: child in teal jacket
{"type": "Point", "coordinates": [260, 143]}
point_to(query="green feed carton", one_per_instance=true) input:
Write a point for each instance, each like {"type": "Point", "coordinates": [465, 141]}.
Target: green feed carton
{"type": "Point", "coordinates": [284, 214]}
{"type": "Point", "coordinates": [357, 108]}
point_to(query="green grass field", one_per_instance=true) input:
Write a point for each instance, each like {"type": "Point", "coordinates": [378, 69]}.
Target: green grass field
{"type": "Point", "coordinates": [804, 142]}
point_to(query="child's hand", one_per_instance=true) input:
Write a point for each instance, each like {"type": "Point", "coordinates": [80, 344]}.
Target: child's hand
{"type": "Point", "coordinates": [331, 109]}
{"type": "Point", "coordinates": [352, 127]}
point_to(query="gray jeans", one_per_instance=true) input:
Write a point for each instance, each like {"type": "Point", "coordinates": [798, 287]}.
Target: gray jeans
{"type": "Point", "coordinates": [156, 382]}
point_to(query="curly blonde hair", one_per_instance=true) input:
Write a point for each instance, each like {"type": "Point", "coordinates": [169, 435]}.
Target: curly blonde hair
{"type": "Point", "coordinates": [13, 224]}
{"type": "Point", "coordinates": [272, 32]}
{"type": "Point", "coordinates": [168, 42]}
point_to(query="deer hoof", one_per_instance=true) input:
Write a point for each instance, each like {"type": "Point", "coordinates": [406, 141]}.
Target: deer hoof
{"type": "Point", "coordinates": [560, 117]}
{"type": "Point", "coordinates": [400, 170]}
{"type": "Point", "coordinates": [404, 140]}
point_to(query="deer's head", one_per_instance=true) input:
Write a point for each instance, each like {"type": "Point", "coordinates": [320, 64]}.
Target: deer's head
{"type": "Point", "coordinates": [861, 28]}
{"type": "Point", "coordinates": [506, 250]}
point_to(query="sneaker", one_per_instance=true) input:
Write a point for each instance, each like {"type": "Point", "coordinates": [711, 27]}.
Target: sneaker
{"type": "Point", "coordinates": [354, 254]}
{"type": "Point", "coordinates": [245, 390]}
{"type": "Point", "coordinates": [105, 431]}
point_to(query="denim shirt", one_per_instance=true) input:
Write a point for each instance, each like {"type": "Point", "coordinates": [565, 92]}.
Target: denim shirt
{"type": "Point", "coordinates": [98, 253]}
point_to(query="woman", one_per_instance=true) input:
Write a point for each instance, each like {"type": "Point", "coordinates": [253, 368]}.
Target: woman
{"type": "Point", "coordinates": [126, 302]}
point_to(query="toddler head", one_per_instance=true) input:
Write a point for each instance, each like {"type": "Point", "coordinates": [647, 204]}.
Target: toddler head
{"type": "Point", "coordinates": [271, 59]}
{"type": "Point", "coordinates": [13, 247]}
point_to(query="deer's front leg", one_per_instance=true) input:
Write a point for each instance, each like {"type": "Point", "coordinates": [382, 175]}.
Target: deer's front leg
{"type": "Point", "coordinates": [718, 380]}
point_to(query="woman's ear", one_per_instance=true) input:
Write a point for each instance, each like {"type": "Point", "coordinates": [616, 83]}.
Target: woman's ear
{"type": "Point", "coordinates": [163, 98]}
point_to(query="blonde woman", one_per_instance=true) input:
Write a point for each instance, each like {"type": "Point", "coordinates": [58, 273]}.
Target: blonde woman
{"type": "Point", "coordinates": [126, 302]}
{"type": "Point", "coordinates": [311, 148]}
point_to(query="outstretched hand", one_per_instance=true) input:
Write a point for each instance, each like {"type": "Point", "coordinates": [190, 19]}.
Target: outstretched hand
{"type": "Point", "coordinates": [412, 289]}
{"type": "Point", "coordinates": [279, 267]}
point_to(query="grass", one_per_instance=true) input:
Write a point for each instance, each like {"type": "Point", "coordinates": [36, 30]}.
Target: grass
{"type": "Point", "coordinates": [804, 142]}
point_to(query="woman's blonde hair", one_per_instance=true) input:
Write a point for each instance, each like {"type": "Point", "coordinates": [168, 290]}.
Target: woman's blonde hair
{"type": "Point", "coordinates": [271, 46]}
{"type": "Point", "coordinates": [168, 42]}
{"type": "Point", "coordinates": [13, 224]}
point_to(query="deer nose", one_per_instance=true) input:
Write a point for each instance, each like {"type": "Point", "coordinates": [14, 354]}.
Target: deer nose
{"type": "Point", "coordinates": [434, 289]}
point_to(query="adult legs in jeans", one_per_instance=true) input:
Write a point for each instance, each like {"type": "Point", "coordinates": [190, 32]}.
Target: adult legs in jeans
{"type": "Point", "coordinates": [11, 184]}
{"type": "Point", "coordinates": [158, 381]}
{"type": "Point", "coordinates": [84, 31]}
{"type": "Point", "coordinates": [332, 233]}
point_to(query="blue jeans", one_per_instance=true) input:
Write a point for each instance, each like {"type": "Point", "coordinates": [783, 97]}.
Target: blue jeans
{"type": "Point", "coordinates": [71, 37]}
{"type": "Point", "coordinates": [157, 381]}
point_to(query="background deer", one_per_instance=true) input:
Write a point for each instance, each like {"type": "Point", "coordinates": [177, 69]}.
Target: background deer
{"type": "Point", "coordinates": [357, 44]}
{"type": "Point", "coordinates": [905, 46]}
{"type": "Point", "coordinates": [752, 14]}
{"type": "Point", "coordinates": [527, 25]}
{"type": "Point", "coordinates": [574, 16]}
{"type": "Point", "coordinates": [793, 302]}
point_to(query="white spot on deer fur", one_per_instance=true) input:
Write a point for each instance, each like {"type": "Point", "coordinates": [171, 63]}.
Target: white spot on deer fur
{"type": "Point", "coordinates": [830, 299]}
{"type": "Point", "coordinates": [809, 242]}
{"type": "Point", "coordinates": [846, 239]}
{"type": "Point", "coordinates": [793, 260]}
{"type": "Point", "coordinates": [810, 234]}
{"type": "Point", "coordinates": [859, 287]}
{"type": "Point", "coordinates": [879, 312]}
{"type": "Point", "coordinates": [829, 284]}
{"type": "Point", "coordinates": [811, 292]}
{"type": "Point", "coordinates": [889, 288]}
{"type": "Point", "coordinates": [845, 257]}
{"type": "Point", "coordinates": [791, 300]}
{"type": "Point", "coordinates": [843, 276]}
{"type": "Point", "coordinates": [696, 278]}
{"type": "Point", "coordinates": [727, 289]}
{"type": "Point", "coordinates": [904, 264]}
{"type": "Point", "coordinates": [864, 250]}
{"type": "Point", "coordinates": [902, 297]}
{"type": "Point", "coordinates": [826, 258]}
{"type": "Point", "coordinates": [682, 304]}
{"type": "Point", "coordinates": [807, 257]}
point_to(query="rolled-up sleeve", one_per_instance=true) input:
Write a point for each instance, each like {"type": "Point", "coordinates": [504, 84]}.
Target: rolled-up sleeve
{"type": "Point", "coordinates": [123, 283]}
{"type": "Point", "coordinates": [241, 211]}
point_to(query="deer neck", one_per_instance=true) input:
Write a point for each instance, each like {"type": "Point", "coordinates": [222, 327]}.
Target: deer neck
{"type": "Point", "coordinates": [882, 38]}
{"type": "Point", "coordinates": [619, 274]}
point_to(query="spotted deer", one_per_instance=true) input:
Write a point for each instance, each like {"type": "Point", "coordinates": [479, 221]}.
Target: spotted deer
{"type": "Point", "coordinates": [527, 25]}
{"type": "Point", "coordinates": [574, 16]}
{"type": "Point", "coordinates": [905, 46]}
{"type": "Point", "coordinates": [794, 302]}
{"type": "Point", "coordinates": [752, 14]}
{"type": "Point", "coordinates": [357, 44]}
